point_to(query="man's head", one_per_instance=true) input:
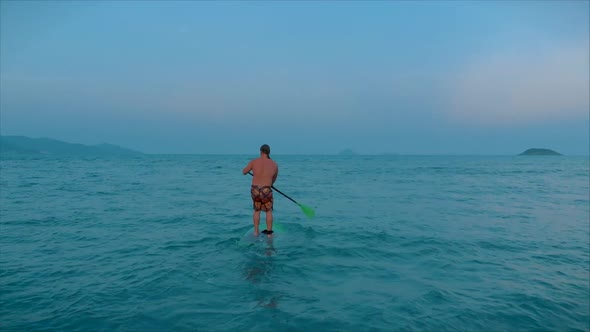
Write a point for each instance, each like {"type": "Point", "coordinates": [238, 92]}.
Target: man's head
{"type": "Point", "coordinates": [265, 149]}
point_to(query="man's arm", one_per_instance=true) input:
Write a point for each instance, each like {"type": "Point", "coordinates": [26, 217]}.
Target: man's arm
{"type": "Point", "coordinates": [248, 168]}
{"type": "Point", "coordinates": [274, 178]}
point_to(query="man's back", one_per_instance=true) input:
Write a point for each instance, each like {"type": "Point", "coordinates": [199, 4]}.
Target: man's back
{"type": "Point", "coordinates": [265, 171]}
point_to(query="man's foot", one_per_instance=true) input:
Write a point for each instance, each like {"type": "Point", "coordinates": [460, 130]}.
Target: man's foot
{"type": "Point", "coordinates": [267, 232]}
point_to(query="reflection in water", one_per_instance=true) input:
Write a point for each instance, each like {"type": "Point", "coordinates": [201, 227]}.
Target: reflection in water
{"type": "Point", "coordinates": [258, 270]}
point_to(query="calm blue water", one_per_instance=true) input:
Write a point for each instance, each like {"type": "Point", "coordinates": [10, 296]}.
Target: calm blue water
{"type": "Point", "coordinates": [399, 243]}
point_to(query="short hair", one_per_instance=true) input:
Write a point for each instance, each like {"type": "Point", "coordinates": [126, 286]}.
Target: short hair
{"type": "Point", "coordinates": [265, 149]}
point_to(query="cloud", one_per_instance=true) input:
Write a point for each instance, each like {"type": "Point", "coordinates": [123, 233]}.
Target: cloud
{"type": "Point", "coordinates": [523, 87]}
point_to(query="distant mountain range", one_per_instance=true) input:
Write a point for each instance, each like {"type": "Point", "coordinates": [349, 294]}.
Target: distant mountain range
{"type": "Point", "coordinates": [22, 145]}
{"type": "Point", "coordinates": [46, 146]}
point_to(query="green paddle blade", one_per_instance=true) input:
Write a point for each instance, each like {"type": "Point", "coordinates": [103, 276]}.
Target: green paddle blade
{"type": "Point", "coordinates": [309, 212]}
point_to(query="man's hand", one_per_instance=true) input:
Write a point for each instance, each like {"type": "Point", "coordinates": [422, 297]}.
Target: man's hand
{"type": "Point", "coordinates": [247, 169]}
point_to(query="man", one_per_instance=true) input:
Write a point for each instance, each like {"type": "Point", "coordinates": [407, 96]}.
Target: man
{"type": "Point", "coordinates": [265, 174]}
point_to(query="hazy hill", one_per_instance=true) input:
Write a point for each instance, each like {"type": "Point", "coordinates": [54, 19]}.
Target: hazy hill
{"type": "Point", "coordinates": [347, 152]}
{"type": "Point", "coordinates": [539, 152]}
{"type": "Point", "coordinates": [48, 146]}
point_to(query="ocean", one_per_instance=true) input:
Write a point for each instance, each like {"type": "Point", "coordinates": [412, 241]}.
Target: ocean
{"type": "Point", "coordinates": [398, 243]}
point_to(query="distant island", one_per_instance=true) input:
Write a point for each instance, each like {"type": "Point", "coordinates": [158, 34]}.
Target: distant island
{"type": "Point", "coordinates": [347, 152]}
{"type": "Point", "coordinates": [540, 152]}
{"type": "Point", "coordinates": [21, 145]}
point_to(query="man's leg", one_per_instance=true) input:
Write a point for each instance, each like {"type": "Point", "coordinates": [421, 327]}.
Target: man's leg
{"type": "Point", "coordinates": [256, 218]}
{"type": "Point", "coordinates": [269, 221]}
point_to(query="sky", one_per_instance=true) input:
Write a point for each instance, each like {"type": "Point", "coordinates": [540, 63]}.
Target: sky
{"type": "Point", "coordinates": [407, 77]}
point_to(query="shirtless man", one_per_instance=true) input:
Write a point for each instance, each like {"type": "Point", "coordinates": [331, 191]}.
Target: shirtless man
{"type": "Point", "coordinates": [265, 174]}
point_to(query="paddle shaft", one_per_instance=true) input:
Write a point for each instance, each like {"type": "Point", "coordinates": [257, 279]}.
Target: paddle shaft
{"type": "Point", "coordinates": [292, 200]}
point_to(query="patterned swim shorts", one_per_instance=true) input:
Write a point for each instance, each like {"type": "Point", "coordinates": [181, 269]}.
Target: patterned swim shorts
{"type": "Point", "coordinates": [262, 198]}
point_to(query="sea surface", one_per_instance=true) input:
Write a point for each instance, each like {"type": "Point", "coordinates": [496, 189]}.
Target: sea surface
{"type": "Point", "coordinates": [398, 243]}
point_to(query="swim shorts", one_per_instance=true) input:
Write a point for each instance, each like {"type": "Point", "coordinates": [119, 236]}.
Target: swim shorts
{"type": "Point", "coordinates": [262, 198]}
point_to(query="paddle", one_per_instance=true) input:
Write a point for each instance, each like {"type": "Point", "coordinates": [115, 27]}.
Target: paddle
{"type": "Point", "coordinates": [309, 212]}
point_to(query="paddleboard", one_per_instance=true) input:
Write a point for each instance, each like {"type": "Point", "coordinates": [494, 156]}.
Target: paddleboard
{"type": "Point", "coordinates": [248, 239]}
